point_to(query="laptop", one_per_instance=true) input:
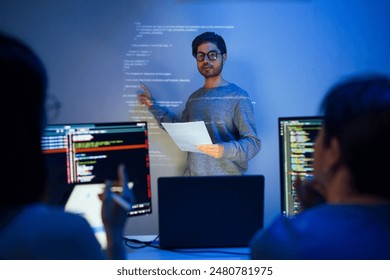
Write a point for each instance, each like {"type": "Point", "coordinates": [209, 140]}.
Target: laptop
{"type": "Point", "coordinates": [209, 211]}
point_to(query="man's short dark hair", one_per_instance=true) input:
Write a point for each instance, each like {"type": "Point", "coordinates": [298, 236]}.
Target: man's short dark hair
{"type": "Point", "coordinates": [210, 37]}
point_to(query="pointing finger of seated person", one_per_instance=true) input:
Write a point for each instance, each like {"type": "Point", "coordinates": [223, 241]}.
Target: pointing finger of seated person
{"type": "Point", "coordinates": [113, 214]}
{"type": "Point", "coordinates": [114, 218]}
{"type": "Point", "coordinates": [127, 187]}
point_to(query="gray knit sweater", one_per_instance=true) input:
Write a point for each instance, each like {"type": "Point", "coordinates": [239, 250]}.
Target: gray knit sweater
{"type": "Point", "coordinates": [228, 114]}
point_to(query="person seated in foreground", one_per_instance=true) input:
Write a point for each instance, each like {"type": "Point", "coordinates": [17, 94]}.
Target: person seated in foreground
{"type": "Point", "coordinates": [351, 165]}
{"type": "Point", "coordinates": [30, 228]}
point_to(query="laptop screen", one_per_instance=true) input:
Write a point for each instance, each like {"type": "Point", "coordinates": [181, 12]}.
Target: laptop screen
{"type": "Point", "coordinates": [209, 211]}
{"type": "Point", "coordinates": [89, 153]}
{"type": "Point", "coordinates": [296, 146]}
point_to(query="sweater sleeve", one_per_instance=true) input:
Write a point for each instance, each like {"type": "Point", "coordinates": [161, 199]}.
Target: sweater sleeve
{"type": "Point", "coordinates": [248, 144]}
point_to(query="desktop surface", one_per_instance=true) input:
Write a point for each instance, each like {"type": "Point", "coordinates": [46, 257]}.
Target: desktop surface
{"type": "Point", "coordinates": [153, 252]}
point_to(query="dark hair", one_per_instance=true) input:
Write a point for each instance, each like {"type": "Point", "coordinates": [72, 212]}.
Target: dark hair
{"type": "Point", "coordinates": [208, 37]}
{"type": "Point", "coordinates": [357, 113]}
{"type": "Point", "coordinates": [23, 85]}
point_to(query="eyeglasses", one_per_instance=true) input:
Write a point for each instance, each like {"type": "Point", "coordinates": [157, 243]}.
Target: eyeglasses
{"type": "Point", "coordinates": [212, 55]}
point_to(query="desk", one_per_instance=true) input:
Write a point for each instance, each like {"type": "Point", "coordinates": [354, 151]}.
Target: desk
{"type": "Point", "coordinates": [154, 253]}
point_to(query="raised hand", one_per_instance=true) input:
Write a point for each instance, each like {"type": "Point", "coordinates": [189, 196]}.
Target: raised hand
{"type": "Point", "coordinates": [145, 98]}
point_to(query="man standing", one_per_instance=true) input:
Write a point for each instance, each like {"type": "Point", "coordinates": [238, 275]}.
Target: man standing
{"type": "Point", "coordinates": [225, 108]}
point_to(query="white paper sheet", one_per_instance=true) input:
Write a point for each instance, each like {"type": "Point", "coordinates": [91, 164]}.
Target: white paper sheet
{"type": "Point", "coordinates": [188, 134]}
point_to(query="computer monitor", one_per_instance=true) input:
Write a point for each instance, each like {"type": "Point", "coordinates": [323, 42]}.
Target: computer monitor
{"type": "Point", "coordinates": [296, 146]}
{"type": "Point", "coordinates": [79, 154]}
